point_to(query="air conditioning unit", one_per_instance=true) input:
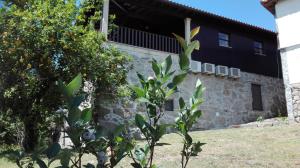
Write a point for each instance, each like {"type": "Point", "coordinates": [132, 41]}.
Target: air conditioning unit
{"type": "Point", "coordinates": [195, 66]}
{"type": "Point", "coordinates": [221, 70]}
{"type": "Point", "coordinates": [208, 68]}
{"type": "Point", "coordinates": [234, 73]}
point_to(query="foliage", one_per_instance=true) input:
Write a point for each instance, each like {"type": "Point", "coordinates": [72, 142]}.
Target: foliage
{"type": "Point", "coordinates": [11, 130]}
{"type": "Point", "coordinates": [108, 146]}
{"type": "Point", "coordinates": [42, 41]}
{"type": "Point", "coordinates": [260, 119]}
{"type": "Point", "coordinates": [154, 92]}
{"type": "Point", "coordinates": [188, 115]}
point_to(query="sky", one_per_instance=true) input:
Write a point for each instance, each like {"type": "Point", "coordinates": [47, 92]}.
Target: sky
{"type": "Point", "coordinates": [248, 11]}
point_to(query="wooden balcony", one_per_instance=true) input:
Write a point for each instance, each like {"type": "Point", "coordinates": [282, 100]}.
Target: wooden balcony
{"type": "Point", "coordinates": [144, 39]}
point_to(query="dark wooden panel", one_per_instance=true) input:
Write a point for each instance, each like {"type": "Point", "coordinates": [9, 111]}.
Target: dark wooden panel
{"type": "Point", "coordinates": [241, 52]}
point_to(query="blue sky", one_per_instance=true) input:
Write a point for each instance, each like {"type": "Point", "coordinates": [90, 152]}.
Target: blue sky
{"type": "Point", "coordinates": [248, 11]}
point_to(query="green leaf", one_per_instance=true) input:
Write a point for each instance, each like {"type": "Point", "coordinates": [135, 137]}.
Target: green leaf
{"type": "Point", "coordinates": [178, 79]}
{"type": "Point", "coordinates": [139, 121]}
{"type": "Point", "coordinates": [143, 100]}
{"type": "Point", "coordinates": [86, 115]}
{"type": "Point", "coordinates": [168, 63]}
{"type": "Point", "coordinates": [74, 115]}
{"type": "Point", "coordinates": [195, 115]}
{"type": "Point", "coordinates": [171, 92]}
{"type": "Point", "coordinates": [196, 148]}
{"type": "Point", "coordinates": [188, 139]}
{"type": "Point", "coordinates": [65, 157]}
{"type": "Point", "coordinates": [199, 90]}
{"type": "Point", "coordinates": [138, 91]}
{"type": "Point", "coordinates": [181, 103]}
{"type": "Point", "coordinates": [167, 76]}
{"type": "Point", "coordinates": [141, 78]}
{"type": "Point", "coordinates": [195, 45]}
{"type": "Point", "coordinates": [196, 103]}
{"type": "Point", "coordinates": [153, 166]}
{"type": "Point", "coordinates": [184, 61]}
{"type": "Point", "coordinates": [118, 139]}
{"type": "Point", "coordinates": [75, 101]}
{"type": "Point", "coordinates": [41, 163]}
{"type": "Point", "coordinates": [89, 166]}
{"type": "Point", "coordinates": [181, 127]}
{"type": "Point", "coordinates": [156, 68]}
{"type": "Point", "coordinates": [53, 150]}
{"type": "Point", "coordinates": [194, 32]}
{"type": "Point", "coordinates": [118, 130]}
{"type": "Point", "coordinates": [160, 131]}
{"type": "Point", "coordinates": [74, 86]}
{"type": "Point", "coordinates": [181, 41]}
{"type": "Point", "coordinates": [199, 83]}
{"type": "Point", "coordinates": [152, 110]}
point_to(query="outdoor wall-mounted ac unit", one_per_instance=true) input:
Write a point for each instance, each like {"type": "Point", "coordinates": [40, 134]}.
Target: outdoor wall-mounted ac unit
{"type": "Point", "coordinates": [221, 70]}
{"type": "Point", "coordinates": [208, 68]}
{"type": "Point", "coordinates": [234, 73]}
{"type": "Point", "coordinates": [195, 66]}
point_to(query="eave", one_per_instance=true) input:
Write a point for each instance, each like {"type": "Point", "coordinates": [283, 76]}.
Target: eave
{"type": "Point", "coordinates": [270, 5]}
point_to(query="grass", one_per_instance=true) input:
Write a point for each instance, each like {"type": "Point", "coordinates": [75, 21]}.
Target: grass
{"type": "Point", "coordinates": [274, 147]}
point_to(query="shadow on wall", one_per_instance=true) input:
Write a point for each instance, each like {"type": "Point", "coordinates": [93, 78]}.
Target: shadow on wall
{"type": "Point", "coordinates": [278, 107]}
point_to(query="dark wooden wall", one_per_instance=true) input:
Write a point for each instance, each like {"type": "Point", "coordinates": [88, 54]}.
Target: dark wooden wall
{"type": "Point", "coordinates": [164, 18]}
{"type": "Point", "coordinates": [241, 54]}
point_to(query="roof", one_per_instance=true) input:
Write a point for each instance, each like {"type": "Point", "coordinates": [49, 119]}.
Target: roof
{"type": "Point", "coordinates": [269, 4]}
{"type": "Point", "coordinates": [202, 12]}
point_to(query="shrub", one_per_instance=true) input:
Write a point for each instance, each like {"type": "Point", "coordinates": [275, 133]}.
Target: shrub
{"type": "Point", "coordinates": [154, 92]}
{"type": "Point", "coordinates": [42, 41]}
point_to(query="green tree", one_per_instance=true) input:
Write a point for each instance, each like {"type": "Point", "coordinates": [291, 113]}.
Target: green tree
{"type": "Point", "coordinates": [42, 41]}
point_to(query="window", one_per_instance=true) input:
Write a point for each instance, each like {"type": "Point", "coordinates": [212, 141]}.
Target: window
{"type": "Point", "coordinates": [224, 40]}
{"type": "Point", "coordinates": [169, 106]}
{"type": "Point", "coordinates": [256, 97]}
{"type": "Point", "coordinates": [258, 48]}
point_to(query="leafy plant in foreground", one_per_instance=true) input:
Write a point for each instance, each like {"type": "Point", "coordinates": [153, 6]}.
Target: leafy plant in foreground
{"type": "Point", "coordinates": [188, 115]}
{"type": "Point", "coordinates": [110, 147]}
{"type": "Point", "coordinates": [154, 92]}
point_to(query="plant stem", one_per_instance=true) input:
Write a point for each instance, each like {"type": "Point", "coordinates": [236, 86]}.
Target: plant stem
{"type": "Point", "coordinates": [152, 154]}
{"type": "Point", "coordinates": [182, 156]}
{"type": "Point", "coordinates": [187, 158]}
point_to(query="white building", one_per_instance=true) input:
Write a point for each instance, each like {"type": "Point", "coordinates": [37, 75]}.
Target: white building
{"type": "Point", "coordinates": [287, 13]}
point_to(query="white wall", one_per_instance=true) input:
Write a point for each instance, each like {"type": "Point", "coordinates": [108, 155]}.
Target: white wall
{"type": "Point", "coordinates": [288, 22]}
{"type": "Point", "coordinates": [293, 61]}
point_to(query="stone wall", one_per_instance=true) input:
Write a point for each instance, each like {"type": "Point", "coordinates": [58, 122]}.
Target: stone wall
{"type": "Point", "coordinates": [296, 101]}
{"type": "Point", "coordinates": [227, 101]}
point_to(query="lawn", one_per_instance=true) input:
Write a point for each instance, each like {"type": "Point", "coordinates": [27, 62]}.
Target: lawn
{"type": "Point", "coordinates": [277, 146]}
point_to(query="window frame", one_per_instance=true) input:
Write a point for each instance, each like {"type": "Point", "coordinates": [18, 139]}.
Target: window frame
{"type": "Point", "coordinates": [258, 49]}
{"type": "Point", "coordinates": [257, 104]}
{"type": "Point", "coordinates": [225, 38]}
{"type": "Point", "coordinates": [171, 101]}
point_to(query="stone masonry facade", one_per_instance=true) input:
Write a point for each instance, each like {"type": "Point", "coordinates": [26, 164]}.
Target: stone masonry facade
{"type": "Point", "coordinates": [296, 101]}
{"type": "Point", "coordinates": [227, 101]}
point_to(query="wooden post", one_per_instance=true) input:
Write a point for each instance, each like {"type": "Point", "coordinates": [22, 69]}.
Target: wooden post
{"type": "Point", "coordinates": [105, 17]}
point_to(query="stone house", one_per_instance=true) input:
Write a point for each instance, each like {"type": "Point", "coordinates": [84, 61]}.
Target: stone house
{"type": "Point", "coordinates": [238, 63]}
{"type": "Point", "coordinates": [287, 14]}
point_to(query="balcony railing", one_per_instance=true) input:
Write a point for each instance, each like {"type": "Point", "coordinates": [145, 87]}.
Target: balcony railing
{"type": "Point", "coordinates": [145, 39]}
